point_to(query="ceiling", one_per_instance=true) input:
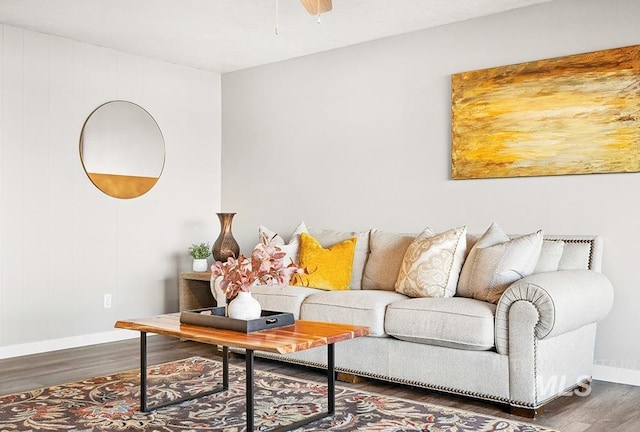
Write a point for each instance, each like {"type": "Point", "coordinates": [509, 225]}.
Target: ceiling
{"type": "Point", "coordinates": [227, 35]}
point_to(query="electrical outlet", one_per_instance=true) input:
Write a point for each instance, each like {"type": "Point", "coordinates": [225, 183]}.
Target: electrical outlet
{"type": "Point", "coordinates": [107, 301]}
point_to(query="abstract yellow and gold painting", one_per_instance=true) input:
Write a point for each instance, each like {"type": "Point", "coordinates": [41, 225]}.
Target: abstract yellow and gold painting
{"type": "Point", "coordinates": [577, 114]}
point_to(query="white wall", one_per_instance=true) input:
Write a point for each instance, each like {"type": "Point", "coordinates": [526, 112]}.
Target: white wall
{"type": "Point", "coordinates": [63, 243]}
{"type": "Point", "coordinates": [360, 137]}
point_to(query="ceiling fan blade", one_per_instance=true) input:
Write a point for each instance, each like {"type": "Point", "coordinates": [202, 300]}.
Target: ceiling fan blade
{"type": "Point", "coordinates": [312, 6]}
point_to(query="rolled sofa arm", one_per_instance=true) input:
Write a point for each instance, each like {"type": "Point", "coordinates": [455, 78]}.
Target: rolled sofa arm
{"type": "Point", "coordinates": [565, 300]}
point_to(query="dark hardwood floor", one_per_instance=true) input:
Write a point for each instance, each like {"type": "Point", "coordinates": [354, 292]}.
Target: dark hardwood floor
{"type": "Point", "coordinates": [609, 407]}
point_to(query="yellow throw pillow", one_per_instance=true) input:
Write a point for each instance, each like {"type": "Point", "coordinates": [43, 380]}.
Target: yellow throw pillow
{"type": "Point", "coordinates": [330, 268]}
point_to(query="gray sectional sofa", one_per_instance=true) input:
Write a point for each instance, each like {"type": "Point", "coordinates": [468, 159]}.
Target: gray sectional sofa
{"type": "Point", "coordinates": [535, 344]}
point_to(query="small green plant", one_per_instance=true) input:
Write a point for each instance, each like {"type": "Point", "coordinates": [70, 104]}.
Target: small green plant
{"type": "Point", "coordinates": [201, 251]}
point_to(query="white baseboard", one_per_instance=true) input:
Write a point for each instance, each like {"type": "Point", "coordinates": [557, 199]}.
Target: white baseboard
{"type": "Point", "coordinates": [616, 375]}
{"type": "Point", "coordinates": [65, 343]}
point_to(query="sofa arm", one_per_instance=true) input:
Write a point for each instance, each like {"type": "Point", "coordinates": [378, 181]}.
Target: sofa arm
{"type": "Point", "coordinates": [565, 300]}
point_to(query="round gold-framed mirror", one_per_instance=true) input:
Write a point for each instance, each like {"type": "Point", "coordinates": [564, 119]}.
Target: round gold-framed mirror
{"type": "Point", "coordinates": [122, 149]}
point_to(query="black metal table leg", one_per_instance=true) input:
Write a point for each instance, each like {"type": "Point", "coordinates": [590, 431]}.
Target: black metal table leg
{"type": "Point", "coordinates": [143, 371]}
{"type": "Point", "coordinates": [249, 389]}
{"type": "Point", "coordinates": [143, 379]}
{"type": "Point", "coordinates": [331, 397]}
{"type": "Point", "coordinates": [225, 368]}
{"type": "Point", "coordinates": [331, 379]}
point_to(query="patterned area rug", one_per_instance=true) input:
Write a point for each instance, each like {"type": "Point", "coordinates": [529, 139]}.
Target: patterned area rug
{"type": "Point", "coordinates": [111, 403]}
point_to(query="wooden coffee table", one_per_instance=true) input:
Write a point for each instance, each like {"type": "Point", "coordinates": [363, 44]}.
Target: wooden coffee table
{"type": "Point", "coordinates": [300, 336]}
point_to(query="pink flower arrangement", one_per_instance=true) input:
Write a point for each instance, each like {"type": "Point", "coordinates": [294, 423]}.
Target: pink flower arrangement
{"type": "Point", "coordinates": [265, 266]}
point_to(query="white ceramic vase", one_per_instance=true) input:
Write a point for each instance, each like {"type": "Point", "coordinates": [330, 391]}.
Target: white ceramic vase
{"type": "Point", "coordinates": [244, 307]}
{"type": "Point", "coordinates": [200, 265]}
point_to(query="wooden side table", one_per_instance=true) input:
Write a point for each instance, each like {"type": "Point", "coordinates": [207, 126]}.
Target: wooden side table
{"type": "Point", "coordinates": [194, 291]}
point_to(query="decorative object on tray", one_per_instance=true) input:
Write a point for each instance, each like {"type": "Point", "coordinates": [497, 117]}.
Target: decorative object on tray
{"type": "Point", "coordinates": [215, 317]}
{"type": "Point", "coordinates": [225, 245]}
{"type": "Point", "coordinates": [244, 306]}
{"type": "Point", "coordinates": [265, 267]}
{"type": "Point", "coordinates": [219, 295]}
{"type": "Point", "coordinates": [199, 253]}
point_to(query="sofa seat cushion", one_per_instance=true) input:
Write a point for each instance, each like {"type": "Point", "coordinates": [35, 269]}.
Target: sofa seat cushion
{"type": "Point", "coordinates": [456, 322]}
{"type": "Point", "coordinates": [282, 298]}
{"type": "Point", "coordinates": [361, 307]}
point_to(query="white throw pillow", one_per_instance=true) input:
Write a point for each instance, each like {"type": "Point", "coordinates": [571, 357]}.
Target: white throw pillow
{"type": "Point", "coordinates": [492, 236]}
{"type": "Point", "coordinates": [291, 248]}
{"type": "Point", "coordinates": [432, 264]}
{"type": "Point", "coordinates": [550, 256]}
{"type": "Point", "coordinates": [493, 268]}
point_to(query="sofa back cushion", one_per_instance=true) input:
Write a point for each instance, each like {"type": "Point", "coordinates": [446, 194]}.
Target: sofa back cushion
{"type": "Point", "coordinates": [385, 258]}
{"type": "Point", "coordinates": [572, 252]}
{"type": "Point", "coordinates": [580, 252]}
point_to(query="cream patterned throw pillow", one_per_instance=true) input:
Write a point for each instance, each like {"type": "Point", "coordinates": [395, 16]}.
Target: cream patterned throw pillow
{"type": "Point", "coordinates": [292, 248]}
{"type": "Point", "coordinates": [492, 268]}
{"type": "Point", "coordinates": [432, 264]}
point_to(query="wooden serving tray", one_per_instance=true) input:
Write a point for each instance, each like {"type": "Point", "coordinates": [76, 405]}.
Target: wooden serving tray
{"type": "Point", "coordinates": [215, 317]}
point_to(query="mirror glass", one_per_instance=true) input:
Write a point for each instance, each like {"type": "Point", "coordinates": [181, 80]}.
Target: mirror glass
{"type": "Point", "coordinates": [122, 149]}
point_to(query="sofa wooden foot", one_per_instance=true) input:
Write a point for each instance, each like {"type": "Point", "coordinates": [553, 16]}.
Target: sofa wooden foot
{"type": "Point", "coordinates": [349, 378]}
{"type": "Point", "coordinates": [531, 413]}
